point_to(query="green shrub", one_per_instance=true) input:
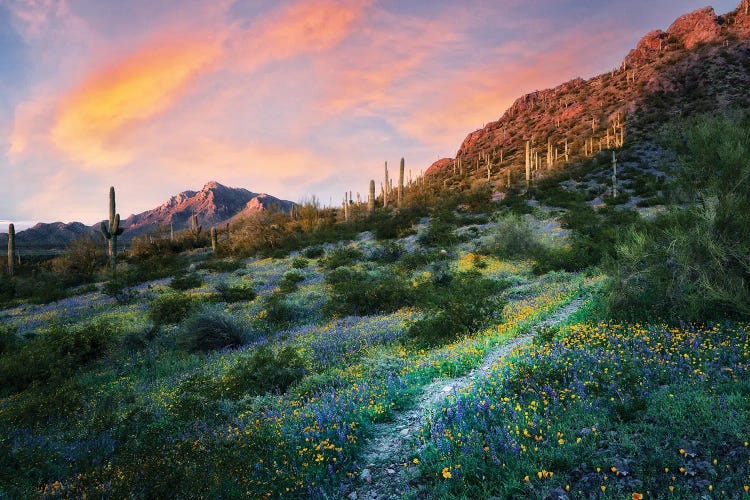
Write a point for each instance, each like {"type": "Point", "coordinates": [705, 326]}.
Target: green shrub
{"type": "Point", "coordinates": [514, 237]}
{"type": "Point", "coordinates": [265, 370]}
{"type": "Point", "coordinates": [7, 289]}
{"type": "Point", "coordinates": [120, 291]}
{"type": "Point", "coordinates": [441, 232]}
{"type": "Point", "coordinates": [300, 263]}
{"type": "Point", "coordinates": [361, 293]}
{"type": "Point", "coordinates": [56, 354]}
{"type": "Point", "coordinates": [388, 225]}
{"type": "Point", "coordinates": [458, 306]}
{"type": "Point", "coordinates": [289, 281]}
{"type": "Point", "coordinates": [222, 266]}
{"type": "Point", "coordinates": [340, 256]}
{"type": "Point", "coordinates": [313, 252]}
{"type": "Point", "coordinates": [171, 309]}
{"type": "Point", "coordinates": [278, 311]}
{"type": "Point", "coordinates": [692, 263]}
{"type": "Point", "coordinates": [186, 281]}
{"type": "Point", "coordinates": [8, 339]}
{"type": "Point", "coordinates": [209, 329]}
{"type": "Point", "coordinates": [232, 293]}
{"type": "Point", "coordinates": [387, 253]}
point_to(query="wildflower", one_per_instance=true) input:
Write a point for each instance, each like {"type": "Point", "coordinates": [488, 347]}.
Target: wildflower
{"type": "Point", "coordinates": [637, 496]}
{"type": "Point", "coordinates": [447, 473]}
{"type": "Point", "coordinates": [416, 460]}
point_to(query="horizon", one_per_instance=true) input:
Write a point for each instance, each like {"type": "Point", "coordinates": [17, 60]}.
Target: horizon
{"type": "Point", "coordinates": [149, 99]}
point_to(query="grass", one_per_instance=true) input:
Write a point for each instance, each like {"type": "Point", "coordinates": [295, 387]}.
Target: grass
{"type": "Point", "coordinates": [266, 377]}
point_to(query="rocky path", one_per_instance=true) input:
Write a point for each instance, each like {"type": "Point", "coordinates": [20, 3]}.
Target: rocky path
{"type": "Point", "coordinates": [385, 476]}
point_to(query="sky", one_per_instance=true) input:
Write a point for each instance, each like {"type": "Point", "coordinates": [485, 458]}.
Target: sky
{"type": "Point", "coordinates": [293, 98]}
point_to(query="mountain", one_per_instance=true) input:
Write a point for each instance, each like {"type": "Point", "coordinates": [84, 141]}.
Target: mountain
{"type": "Point", "coordinates": [701, 63]}
{"type": "Point", "coordinates": [215, 204]}
{"type": "Point", "coordinates": [48, 236]}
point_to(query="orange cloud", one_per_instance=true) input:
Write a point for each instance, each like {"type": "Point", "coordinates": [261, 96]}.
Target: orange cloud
{"type": "Point", "coordinates": [94, 116]}
{"type": "Point", "coordinates": [300, 28]}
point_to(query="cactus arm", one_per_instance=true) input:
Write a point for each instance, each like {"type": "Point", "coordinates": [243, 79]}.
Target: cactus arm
{"type": "Point", "coordinates": [104, 231]}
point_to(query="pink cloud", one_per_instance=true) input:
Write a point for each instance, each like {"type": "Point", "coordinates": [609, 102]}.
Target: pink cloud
{"type": "Point", "coordinates": [469, 99]}
{"type": "Point", "coordinates": [302, 27]}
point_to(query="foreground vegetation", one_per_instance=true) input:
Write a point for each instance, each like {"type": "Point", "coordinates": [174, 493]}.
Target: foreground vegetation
{"type": "Point", "coordinates": [263, 369]}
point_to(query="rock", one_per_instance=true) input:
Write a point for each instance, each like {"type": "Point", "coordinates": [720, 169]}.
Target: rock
{"type": "Point", "coordinates": [390, 472]}
{"type": "Point", "coordinates": [700, 26]}
{"type": "Point", "coordinates": [557, 494]}
{"type": "Point", "coordinates": [366, 476]}
{"type": "Point", "coordinates": [439, 166]}
{"type": "Point", "coordinates": [352, 495]}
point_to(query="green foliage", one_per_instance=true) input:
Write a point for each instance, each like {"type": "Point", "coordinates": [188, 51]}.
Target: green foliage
{"type": "Point", "coordinates": [80, 261]}
{"type": "Point", "coordinates": [171, 308]}
{"type": "Point", "coordinates": [8, 339]}
{"type": "Point", "coordinates": [7, 289]}
{"type": "Point", "coordinates": [457, 305]}
{"type": "Point", "coordinates": [692, 263]}
{"type": "Point", "coordinates": [186, 281]}
{"type": "Point", "coordinates": [55, 354]}
{"type": "Point", "coordinates": [234, 293]}
{"type": "Point", "coordinates": [340, 256]}
{"type": "Point", "coordinates": [266, 370]}
{"type": "Point", "coordinates": [119, 290]}
{"type": "Point", "coordinates": [387, 253]}
{"type": "Point", "coordinates": [441, 232]}
{"type": "Point", "coordinates": [209, 329]}
{"type": "Point", "coordinates": [290, 281]}
{"type": "Point", "coordinates": [313, 252]}
{"type": "Point", "coordinates": [514, 238]}
{"type": "Point", "coordinates": [278, 311]}
{"type": "Point", "coordinates": [222, 265]}
{"type": "Point", "coordinates": [594, 234]}
{"type": "Point", "coordinates": [388, 225]}
{"type": "Point", "coordinates": [300, 263]}
{"type": "Point", "coordinates": [364, 292]}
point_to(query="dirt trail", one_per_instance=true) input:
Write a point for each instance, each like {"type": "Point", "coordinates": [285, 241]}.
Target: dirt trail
{"type": "Point", "coordinates": [385, 476]}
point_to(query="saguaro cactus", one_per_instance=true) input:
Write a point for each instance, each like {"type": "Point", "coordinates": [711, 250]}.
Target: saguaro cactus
{"type": "Point", "coordinates": [11, 249]}
{"type": "Point", "coordinates": [385, 187]}
{"type": "Point", "coordinates": [401, 183]}
{"type": "Point", "coordinates": [112, 232]}
{"type": "Point", "coordinates": [371, 199]}
{"type": "Point", "coordinates": [213, 239]}
{"type": "Point", "coordinates": [528, 163]}
{"type": "Point", "coordinates": [614, 174]}
{"type": "Point", "coordinates": [195, 229]}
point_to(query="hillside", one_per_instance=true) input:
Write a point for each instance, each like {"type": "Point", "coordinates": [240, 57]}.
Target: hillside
{"type": "Point", "coordinates": [700, 64]}
{"type": "Point", "coordinates": [557, 341]}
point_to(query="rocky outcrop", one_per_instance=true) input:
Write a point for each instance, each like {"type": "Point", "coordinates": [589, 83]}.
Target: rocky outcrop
{"type": "Point", "coordinates": [439, 166]}
{"type": "Point", "coordinates": [701, 26]}
{"type": "Point", "coordinates": [701, 63]}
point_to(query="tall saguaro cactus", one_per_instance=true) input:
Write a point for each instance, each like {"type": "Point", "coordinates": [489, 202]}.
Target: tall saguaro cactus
{"type": "Point", "coordinates": [528, 163]}
{"type": "Point", "coordinates": [113, 231]}
{"type": "Point", "coordinates": [385, 187]}
{"type": "Point", "coordinates": [195, 229]}
{"type": "Point", "coordinates": [371, 199]}
{"type": "Point", "coordinates": [401, 183]}
{"type": "Point", "coordinates": [11, 249]}
{"type": "Point", "coordinates": [614, 175]}
{"type": "Point", "coordinates": [213, 239]}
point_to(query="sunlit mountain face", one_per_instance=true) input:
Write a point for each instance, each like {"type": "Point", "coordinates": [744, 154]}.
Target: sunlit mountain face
{"type": "Point", "coordinates": [290, 98]}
